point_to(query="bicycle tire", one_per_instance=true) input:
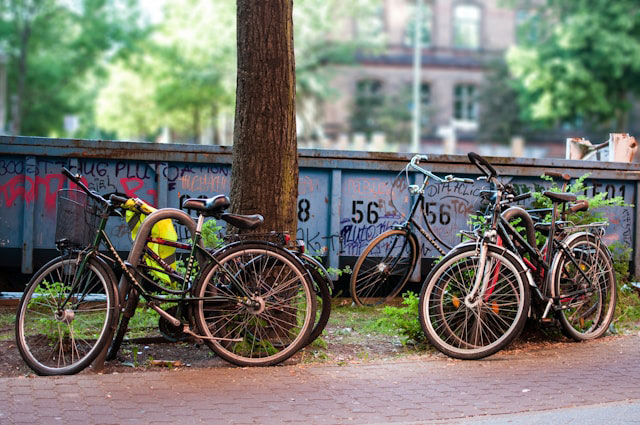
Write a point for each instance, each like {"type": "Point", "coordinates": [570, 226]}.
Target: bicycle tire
{"type": "Point", "coordinates": [384, 267]}
{"type": "Point", "coordinates": [321, 287]}
{"type": "Point", "coordinates": [131, 303]}
{"type": "Point", "coordinates": [473, 332]}
{"type": "Point", "coordinates": [264, 334]}
{"type": "Point", "coordinates": [54, 342]}
{"type": "Point", "coordinates": [583, 316]}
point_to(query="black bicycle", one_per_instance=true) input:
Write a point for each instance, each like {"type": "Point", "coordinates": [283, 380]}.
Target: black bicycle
{"type": "Point", "coordinates": [251, 303]}
{"type": "Point", "coordinates": [386, 264]}
{"type": "Point", "coordinates": [476, 300]}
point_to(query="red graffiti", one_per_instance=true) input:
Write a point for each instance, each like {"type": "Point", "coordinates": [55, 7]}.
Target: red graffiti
{"type": "Point", "coordinates": [131, 186]}
{"type": "Point", "coordinates": [27, 188]}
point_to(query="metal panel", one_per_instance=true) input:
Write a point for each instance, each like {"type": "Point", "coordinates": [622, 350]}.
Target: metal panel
{"type": "Point", "coordinates": [343, 196]}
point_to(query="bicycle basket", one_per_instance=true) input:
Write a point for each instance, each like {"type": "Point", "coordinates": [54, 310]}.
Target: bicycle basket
{"type": "Point", "coordinates": [77, 218]}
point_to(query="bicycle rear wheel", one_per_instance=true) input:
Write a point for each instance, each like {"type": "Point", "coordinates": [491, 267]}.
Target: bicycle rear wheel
{"type": "Point", "coordinates": [384, 267]}
{"type": "Point", "coordinates": [269, 325]}
{"type": "Point", "coordinates": [474, 328]}
{"type": "Point", "coordinates": [587, 303]}
{"type": "Point", "coordinates": [320, 280]}
{"type": "Point", "coordinates": [63, 319]}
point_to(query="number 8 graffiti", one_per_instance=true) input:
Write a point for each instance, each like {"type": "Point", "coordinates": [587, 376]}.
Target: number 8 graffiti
{"type": "Point", "coordinates": [303, 210]}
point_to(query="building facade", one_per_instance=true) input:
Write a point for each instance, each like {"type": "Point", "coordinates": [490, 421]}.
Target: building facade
{"type": "Point", "coordinates": [458, 37]}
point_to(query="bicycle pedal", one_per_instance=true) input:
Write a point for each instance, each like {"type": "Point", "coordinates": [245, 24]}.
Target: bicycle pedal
{"type": "Point", "coordinates": [547, 321]}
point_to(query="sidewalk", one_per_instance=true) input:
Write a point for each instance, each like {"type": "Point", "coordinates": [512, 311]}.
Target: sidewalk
{"type": "Point", "coordinates": [411, 391]}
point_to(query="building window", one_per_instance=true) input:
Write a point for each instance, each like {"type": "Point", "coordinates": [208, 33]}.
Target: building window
{"type": "Point", "coordinates": [466, 26]}
{"type": "Point", "coordinates": [465, 105]}
{"type": "Point", "coordinates": [369, 100]}
{"type": "Point", "coordinates": [425, 28]}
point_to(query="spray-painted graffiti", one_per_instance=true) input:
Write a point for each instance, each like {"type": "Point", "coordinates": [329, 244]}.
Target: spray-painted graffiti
{"type": "Point", "coordinates": [29, 189]}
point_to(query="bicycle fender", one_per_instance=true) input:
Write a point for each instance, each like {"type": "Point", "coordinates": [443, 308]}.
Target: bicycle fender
{"type": "Point", "coordinates": [567, 241]}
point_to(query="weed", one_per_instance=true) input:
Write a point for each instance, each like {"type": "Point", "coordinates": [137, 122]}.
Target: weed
{"type": "Point", "coordinates": [405, 319]}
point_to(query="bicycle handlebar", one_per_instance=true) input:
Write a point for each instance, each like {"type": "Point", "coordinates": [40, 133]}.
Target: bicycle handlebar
{"type": "Point", "coordinates": [581, 205]}
{"type": "Point", "coordinates": [482, 164]}
{"type": "Point", "coordinates": [447, 179]}
{"type": "Point", "coordinates": [76, 179]}
{"type": "Point", "coordinates": [117, 200]}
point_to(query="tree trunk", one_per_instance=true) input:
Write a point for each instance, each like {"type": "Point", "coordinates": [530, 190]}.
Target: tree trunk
{"type": "Point", "coordinates": [264, 177]}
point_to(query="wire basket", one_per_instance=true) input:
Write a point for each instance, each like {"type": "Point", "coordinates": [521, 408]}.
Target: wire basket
{"type": "Point", "coordinates": [77, 218]}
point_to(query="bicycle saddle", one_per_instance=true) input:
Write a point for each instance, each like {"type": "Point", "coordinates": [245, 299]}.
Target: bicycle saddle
{"type": "Point", "coordinates": [208, 207]}
{"type": "Point", "coordinates": [247, 222]}
{"type": "Point", "coordinates": [560, 196]}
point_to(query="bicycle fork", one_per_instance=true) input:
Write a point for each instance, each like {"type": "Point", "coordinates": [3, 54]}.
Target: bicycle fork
{"type": "Point", "coordinates": [481, 281]}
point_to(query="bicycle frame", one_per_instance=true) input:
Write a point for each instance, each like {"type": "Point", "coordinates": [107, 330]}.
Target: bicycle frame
{"type": "Point", "coordinates": [419, 203]}
{"type": "Point", "coordinates": [508, 236]}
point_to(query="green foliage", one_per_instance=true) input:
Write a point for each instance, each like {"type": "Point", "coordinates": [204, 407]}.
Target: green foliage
{"type": "Point", "coordinates": [582, 63]}
{"type": "Point", "coordinates": [499, 117]}
{"type": "Point", "coordinates": [628, 307]}
{"type": "Point", "coordinates": [56, 52]}
{"type": "Point", "coordinates": [405, 319]}
{"type": "Point", "coordinates": [621, 254]}
{"type": "Point", "coordinates": [578, 187]}
{"type": "Point", "coordinates": [211, 234]}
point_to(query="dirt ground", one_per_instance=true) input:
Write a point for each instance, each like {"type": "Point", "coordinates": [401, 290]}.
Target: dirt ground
{"type": "Point", "coordinates": [339, 345]}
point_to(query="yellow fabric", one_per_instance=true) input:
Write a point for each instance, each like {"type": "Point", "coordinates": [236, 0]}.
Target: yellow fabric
{"type": "Point", "coordinates": [136, 211]}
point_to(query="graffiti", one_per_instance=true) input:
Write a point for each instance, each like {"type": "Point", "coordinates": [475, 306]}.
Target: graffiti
{"type": "Point", "coordinates": [306, 185]}
{"type": "Point", "coordinates": [462, 189]}
{"type": "Point", "coordinates": [356, 238]}
{"type": "Point", "coordinates": [132, 185]}
{"type": "Point", "coordinates": [205, 183]}
{"type": "Point", "coordinates": [93, 169]}
{"type": "Point", "coordinates": [372, 186]}
{"type": "Point", "coordinates": [103, 185]}
{"type": "Point", "coordinates": [30, 189]}
{"type": "Point", "coordinates": [627, 226]}
{"type": "Point", "coordinates": [313, 241]}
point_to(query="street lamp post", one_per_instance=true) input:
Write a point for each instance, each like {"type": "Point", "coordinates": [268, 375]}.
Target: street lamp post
{"type": "Point", "coordinates": [417, 65]}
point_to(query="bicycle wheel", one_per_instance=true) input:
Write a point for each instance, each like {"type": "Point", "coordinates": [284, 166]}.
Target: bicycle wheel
{"type": "Point", "coordinates": [476, 327]}
{"type": "Point", "coordinates": [384, 267]}
{"type": "Point", "coordinates": [587, 299]}
{"type": "Point", "coordinates": [130, 303]}
{"type": "Point", "coordinates": [320, 278]}
{"type": "Point", "coordinates": [261, 306]}
{"type": "Point", "coordinates": [63, 319]}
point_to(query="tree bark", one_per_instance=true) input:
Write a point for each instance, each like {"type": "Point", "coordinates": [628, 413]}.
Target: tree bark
{"type": "Point", "coordinates": [264, 177]}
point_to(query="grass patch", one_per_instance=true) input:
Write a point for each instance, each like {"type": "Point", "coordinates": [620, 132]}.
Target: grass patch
{"type": "Point", "coordinates": [627, 315]}
{"type": "Point", "coordinates": [143, 323]}
{"type": "Point", "coordinates": [7, 324]}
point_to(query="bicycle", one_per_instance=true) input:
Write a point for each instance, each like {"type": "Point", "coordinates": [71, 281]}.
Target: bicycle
{"type": "Point", "coordinates": [251, 303]}
{"type": "Point", "coordinates": [386, 264]}
{"type": "Point", "coordinates": [320, 278]}
{"type": "Point", "coordinates": [476, 300]}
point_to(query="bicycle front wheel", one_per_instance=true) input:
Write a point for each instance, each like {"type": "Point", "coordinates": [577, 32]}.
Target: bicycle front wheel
{"type": "Point", "coordinates": [384, 267]}
{"type": "Point", "coordinates": [471, 327]}
{"type": "Point", "coordinates": [585, 283]}
{"type": "Point", "coordinates": [255, 305]}
{"type": "Point", "coordinates": [64, 316]}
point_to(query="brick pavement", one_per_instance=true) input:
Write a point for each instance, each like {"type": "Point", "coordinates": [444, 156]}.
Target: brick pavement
{"type": "Point", "coordinates": [415, 390]}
